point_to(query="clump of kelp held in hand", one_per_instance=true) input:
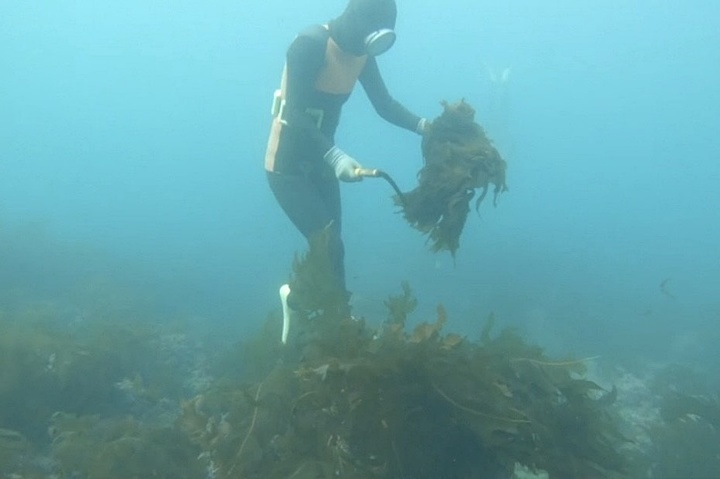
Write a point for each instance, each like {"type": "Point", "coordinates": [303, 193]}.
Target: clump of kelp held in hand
{"type": "Point", "coordinates": [459, 159]}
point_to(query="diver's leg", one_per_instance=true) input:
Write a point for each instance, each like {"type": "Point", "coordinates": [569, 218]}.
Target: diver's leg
{"type": "Point", "coordinates": [329, 189]}
{"type": "Point", "coordinates": [312, 202]}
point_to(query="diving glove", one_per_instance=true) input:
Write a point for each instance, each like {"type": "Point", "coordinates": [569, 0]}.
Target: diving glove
{"type": "Point", "coordinates": [344, 165]}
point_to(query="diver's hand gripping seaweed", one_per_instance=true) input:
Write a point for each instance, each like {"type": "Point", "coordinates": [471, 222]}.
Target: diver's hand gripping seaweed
{"type": "Point", "coordinates": [459, 159]}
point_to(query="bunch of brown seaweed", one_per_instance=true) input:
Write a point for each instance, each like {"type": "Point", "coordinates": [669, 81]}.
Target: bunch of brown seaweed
{"type": "Point", "coordinates": [459, 159]}
{"type": "Point", "coordinates": [355, 402]}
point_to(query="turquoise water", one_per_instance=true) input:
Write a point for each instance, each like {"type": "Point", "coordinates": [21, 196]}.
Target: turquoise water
{"type": "Point", "coordinates": [140, 128]}
{"type": "Point", "coordinates": [132, 136]}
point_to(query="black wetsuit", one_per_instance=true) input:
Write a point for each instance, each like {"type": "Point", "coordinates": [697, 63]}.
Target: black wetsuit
{"type": "Point", "coordinates": [302, 182]}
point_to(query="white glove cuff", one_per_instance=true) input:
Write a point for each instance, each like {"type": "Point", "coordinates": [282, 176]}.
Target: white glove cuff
{"type": "Point", "coordinates": [422, 126]}
{"type": "Point", "coordinates": [333, 155]}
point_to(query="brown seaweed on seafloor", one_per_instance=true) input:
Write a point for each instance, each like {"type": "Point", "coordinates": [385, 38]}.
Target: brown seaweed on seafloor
{"type": "Point", "coordinates": [459, 159]}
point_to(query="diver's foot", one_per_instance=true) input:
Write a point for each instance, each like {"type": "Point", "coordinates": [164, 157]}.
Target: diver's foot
{"type": "Point", "coordinates": [287, 311]}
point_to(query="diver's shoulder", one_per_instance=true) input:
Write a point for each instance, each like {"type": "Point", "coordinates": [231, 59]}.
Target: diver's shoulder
{"type": "Point", "coordinates": [309, 43]}
{"type": "Point", "coordinates": [316, 32]}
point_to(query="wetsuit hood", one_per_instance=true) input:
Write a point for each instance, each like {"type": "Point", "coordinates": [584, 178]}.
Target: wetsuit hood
{"type": "Point", "coordinates": [366, 27]}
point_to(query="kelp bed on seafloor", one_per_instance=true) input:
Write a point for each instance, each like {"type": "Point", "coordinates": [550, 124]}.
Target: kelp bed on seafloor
{"type": "Point", "coordinates": [343, 399]}
{"type": "Point", "coordinates": [459, 159]}
{"type": "Point", "coordinates": [390, 404]}
{"type": "Point", "coordinates": [104, 396]}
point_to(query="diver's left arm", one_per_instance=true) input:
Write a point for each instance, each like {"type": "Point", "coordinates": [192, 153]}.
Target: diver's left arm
{"type": "Point", "coordinates": [385, 105]}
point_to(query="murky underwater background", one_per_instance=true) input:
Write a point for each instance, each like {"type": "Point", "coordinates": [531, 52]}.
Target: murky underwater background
{"type": "Point", "coordinates": [136, 226]}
